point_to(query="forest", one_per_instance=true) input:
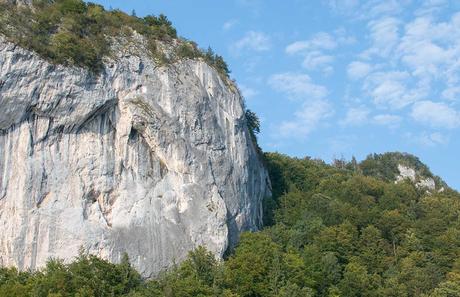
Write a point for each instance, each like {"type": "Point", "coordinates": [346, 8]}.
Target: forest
{"type": "Point", "coordinates": [345, 229]}
{"type": "Point", "coordinates": [342, 229]}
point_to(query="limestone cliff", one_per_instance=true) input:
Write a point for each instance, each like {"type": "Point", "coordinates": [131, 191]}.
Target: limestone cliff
{"type": "Point", "coordinates": [427, 183]}
{"type": "Point", "coordinates": [145, 159]}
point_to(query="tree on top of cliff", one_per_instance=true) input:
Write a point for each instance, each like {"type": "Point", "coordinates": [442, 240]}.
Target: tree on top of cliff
{"type": "Point", "coordinates": [73, 32]}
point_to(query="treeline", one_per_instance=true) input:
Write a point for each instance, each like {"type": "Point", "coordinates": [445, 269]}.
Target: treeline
{"type": "Point", "coordinates": [73, 32]}
{"type": "Point", "coordinates": [359, 233]}
{"type": "Point", "coordinates": [331, 231]}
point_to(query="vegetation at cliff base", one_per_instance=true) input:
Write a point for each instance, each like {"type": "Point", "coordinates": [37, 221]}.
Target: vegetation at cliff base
{"type": "Point", "coordinates": [332, 230]}
{"type": "Point", "coordinates": [74, 32]}
{"type": "Point", "coordinates": [342, 229]}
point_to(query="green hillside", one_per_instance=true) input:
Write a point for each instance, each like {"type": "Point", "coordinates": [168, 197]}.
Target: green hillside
{"type": "Point", "coordinates": [346, 229]}
{"type": "Point", "coordinates": [332, 232]}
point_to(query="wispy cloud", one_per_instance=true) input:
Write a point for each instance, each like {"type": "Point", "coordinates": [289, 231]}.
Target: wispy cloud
{"type": "Point", "coordinates": [367, 9]}
{"type": "Point", "coordinates": [432, 50]}
{"type": "Point", "coordinates": [297, 86]}
{"type": "Point", "coordinates": [316, 51]}
{"type": "Point", "coordinates": [436, 115]}
{"type": "Point", "coordinates": [248, 92]}
{"type": "Point", "coordinates": [377, 8]}
{"type": "Point", "coordinates": [306, 119]}
{"type": "Point", "coordinates": [389, 120]}
{"type": "Point", "coordinates": [403, 74]}
{"type": "Point", "coordinates": [229, 24]}
{"type": "Point", "coordinates": [430, 7]}
{"type": "Point", "coordinates": [318, 60]}
{"type": "Point", "coordinates": [391, 89]}
{"type": "Point", "coordinates": [314, 107]}
{"type": "Point", "coordinates": [384, 34]}
{"type": "Point", "coordinates": [451, 93]}
{"type": "Point", "coordinates": [252, 41]}
{"type": "Point", "coordinates": [410, 64]}
{"type": "Point", "coordinates": [355, 116]}
{"type": "Point", "coordinates": [343, 6]}
{"type": "Point", "coordinates": [320, 40]}
{"type": "Point", "coordinates": [357, 70]}
{"type": "Point", "coordinates": [427, 139]}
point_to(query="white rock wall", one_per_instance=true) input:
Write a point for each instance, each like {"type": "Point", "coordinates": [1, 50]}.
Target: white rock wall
{"type": "Point", "coordinates": [148, 160]}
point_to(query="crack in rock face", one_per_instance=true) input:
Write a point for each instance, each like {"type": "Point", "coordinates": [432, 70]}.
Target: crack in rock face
{"type": "Point", "coordinates": [152, 161]}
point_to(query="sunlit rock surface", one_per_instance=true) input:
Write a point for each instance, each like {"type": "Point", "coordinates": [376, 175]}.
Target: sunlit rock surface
{"type": "Point", "coordinates": [421, 182]}
{"type": "Point", "coordinates": [143, 159]}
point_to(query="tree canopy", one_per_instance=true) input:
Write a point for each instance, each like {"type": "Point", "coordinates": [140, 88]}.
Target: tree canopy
{"type": "Point", "coordinates": [78, 33]}
{"type": "Point", "coordinates": [333, 231]}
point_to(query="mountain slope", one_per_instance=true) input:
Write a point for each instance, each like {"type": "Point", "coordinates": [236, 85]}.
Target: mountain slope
{"type": "Point", "coordinates": [335, 232]}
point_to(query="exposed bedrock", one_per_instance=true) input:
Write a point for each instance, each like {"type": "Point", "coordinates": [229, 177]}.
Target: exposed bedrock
{"type": "Point", "coordinates": [148, 160]}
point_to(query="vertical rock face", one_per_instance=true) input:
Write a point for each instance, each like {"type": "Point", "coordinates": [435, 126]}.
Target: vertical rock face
{"type": "Point", "coordinates": [420, 181]}
{"type": "Point", "coordinates": [148, 160]}
{"type": "Point", "coordinates": [18, 2]}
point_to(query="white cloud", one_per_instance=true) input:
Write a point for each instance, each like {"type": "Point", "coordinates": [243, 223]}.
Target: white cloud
{"type": "Point", "coordinates": [297, 86]}
{"type": "Point", "coordinates": [433, 139]}
{"type": "Point", "coordinates": [452, 93]}
{"type": "Point", "coordinates": [384, 34]}
{"type": "Point", "coordinates": [253, 41]}
{"type": "Point", "coordinates": [430, 7]}
{"type": "Point", "coordinates": [388, 120]}
{"type": "Point", "coordinates": [390, 89]}
{"type": "Point", "coordinates": [432, 50]}
{"type": "Point", "coordinates": [368, 9]}
{"type": "Point", "coordinates": [313, 50]}
{"type": "Point", "coordinates": [314, 108]}
{"type": "Point", "coordinates": [317, 60]}
{"type": "Point", "coordinates": [342, 37]}
{"type": "Point", "coordinates": [343, 6]}
{"type": "Point", "coordinates": [387, 7]}
{"type": "Point", "coordinates": [428, 139]}
{"type": "Point", "coordinates": [358, 70]}
{"type": "Point", "coordinates": [247, 92]}
{"type": "Point", "coordinates": [437, 115]}
{"type": "Point", "coordinates": [306, 119]}
{"type": "Point", "coordinates": [416, 60]}
{"type": "Point", "coordinates": [389, 92]}
{"type": "Point", "coordinates": [320, 40]}
{"type": "Point", "coordinates": [411, 64]}
{"type": "Point", "coordinates": [229, 24]}
{"type": "Point", "coordinates": [297, 46]}
{"type": "Point", "coordinates": [355, 116]}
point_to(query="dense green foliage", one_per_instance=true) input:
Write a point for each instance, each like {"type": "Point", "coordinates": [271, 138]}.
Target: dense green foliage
{"type": "Point", "coordinates": [334, 232]}
{"type": "Point", "coordinates": [345, 229]}
{"type": "Point", "coordinates": [385, 166]}
{"type": "Point", "coordinates": [86, 276]}
{"type": "Point", "coordinates": [73, 32]}
{"type": "Point", "coordinates": [253, 124]}
{"type": "Point", "coordinates": [360, 234]}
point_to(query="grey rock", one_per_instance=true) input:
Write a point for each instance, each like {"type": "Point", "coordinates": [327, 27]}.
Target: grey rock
{"type": "Point", "coordinates": [153, 161]}
{"type": "Point", "coordinates": [18, 2]}
{"type": "Point", "coordinates": [420, 181]}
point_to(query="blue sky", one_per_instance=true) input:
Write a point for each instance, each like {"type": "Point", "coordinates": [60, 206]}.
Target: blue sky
{"type": "Point", "coordinates": [333, 78]}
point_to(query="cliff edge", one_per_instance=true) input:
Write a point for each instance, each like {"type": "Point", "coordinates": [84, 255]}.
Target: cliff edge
{"type": "Point", "coordinates": [153, 160]}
